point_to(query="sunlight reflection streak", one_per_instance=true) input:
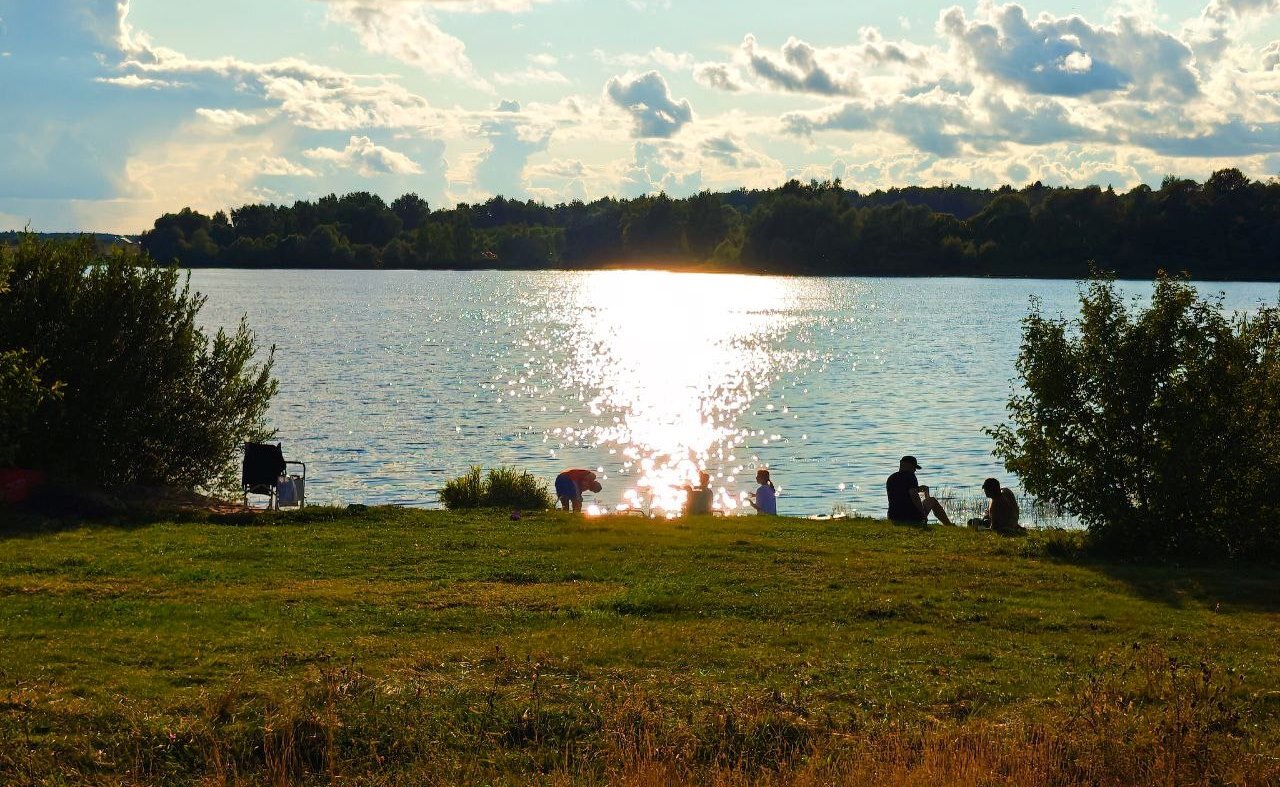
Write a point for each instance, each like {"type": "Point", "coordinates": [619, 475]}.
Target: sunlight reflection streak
{"type": "Point", "coordinates": [666, 364]}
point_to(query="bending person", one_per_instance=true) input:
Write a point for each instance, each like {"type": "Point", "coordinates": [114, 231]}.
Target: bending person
{"type": "Point", "coordinates": [909, 502]}
{"type": "Point", "coordinates": [569, 486]}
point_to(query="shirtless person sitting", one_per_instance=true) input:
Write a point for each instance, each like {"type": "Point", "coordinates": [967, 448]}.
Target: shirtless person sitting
{"type": "Point", "coordinates": [1002, 511]}
{"type": "Point", "coordinates": [908, 501]}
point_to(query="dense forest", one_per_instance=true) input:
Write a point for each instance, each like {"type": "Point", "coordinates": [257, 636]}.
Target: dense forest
{"type": "Point", "coordinates": [1225, 228]}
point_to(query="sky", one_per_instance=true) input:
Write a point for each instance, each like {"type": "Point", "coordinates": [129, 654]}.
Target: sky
{"type": "Point", "coordinates": [113, 112]}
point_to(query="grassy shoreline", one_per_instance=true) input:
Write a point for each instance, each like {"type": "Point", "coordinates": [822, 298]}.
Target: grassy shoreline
{"type": "Point", "coordinates": [405, 646]}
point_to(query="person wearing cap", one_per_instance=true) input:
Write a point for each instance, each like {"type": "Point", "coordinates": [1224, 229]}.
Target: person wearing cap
{"type": "Point", "coordinates": [569, 486]}
{"type": "Point", "coordinates": [910, 502]}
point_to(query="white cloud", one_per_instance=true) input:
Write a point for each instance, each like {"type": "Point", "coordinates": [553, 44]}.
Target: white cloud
{"type": "Point", "coordinates": [720, 76]}
{"type": "Point", "coordinates": [648, 100]}
{"type": "Point", "coordinates": [407, 32]}
{"type": "Point", "coordinates": [135, 81]}
{"type": "Point", "coordinates": [532, 76]}
{"type": "Point", "coordinates": [1044, 55]}
{"type": "Point", "coordinates": [367, 158]}
{"type": "Point", "coordinates": [1271, 56]}
{"type": "Point", "coordinates": [799, 69]}
{"type": "Point", "coordinates": [279, 166]}
{"type": "Point", "coordinates": [660, 167]}
{"type": "Point", "coordinates": [1077, 63]}
{"type": "Point", "coordinates": [228, 118]}
{"type": "Point", "coordinates": [656, 57]}
{"type": "Point", "coordinates": [512, 141]}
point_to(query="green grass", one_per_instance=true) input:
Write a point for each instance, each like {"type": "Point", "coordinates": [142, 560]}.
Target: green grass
{"type": "Point", "coordinates": [112, 631]}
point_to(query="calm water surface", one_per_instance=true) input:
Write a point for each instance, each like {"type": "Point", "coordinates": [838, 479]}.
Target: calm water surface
{"type": "Point", "coordinates": [391, 383]}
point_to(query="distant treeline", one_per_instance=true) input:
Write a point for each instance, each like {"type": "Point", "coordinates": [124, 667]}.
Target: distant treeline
{"type": "Point", "coordinates": [1226, 228]}
{"type": "Point", "coordinates": [103, 240]}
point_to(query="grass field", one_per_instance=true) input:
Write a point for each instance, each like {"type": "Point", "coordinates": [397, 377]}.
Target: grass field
{"type": "Point", "coordinates": [401, 646]}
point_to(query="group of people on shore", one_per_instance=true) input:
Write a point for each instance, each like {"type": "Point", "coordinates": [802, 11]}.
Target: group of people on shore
{"type": "Point", "coordinates": [909, 501]}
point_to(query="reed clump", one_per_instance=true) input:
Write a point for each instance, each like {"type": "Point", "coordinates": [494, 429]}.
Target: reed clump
{"type": "Point", "coordinates": [502, 487]}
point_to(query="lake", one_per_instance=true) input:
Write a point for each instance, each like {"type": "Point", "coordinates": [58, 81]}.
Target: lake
{"type": "Point", "coordinates": [393, 382]}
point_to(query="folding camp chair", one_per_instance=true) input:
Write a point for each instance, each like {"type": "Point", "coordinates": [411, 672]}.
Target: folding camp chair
{"type": "Point", "coordinates": [264, 472]}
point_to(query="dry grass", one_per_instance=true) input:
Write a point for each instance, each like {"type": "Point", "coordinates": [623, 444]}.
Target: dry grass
{"type": "Point", "coordinates": [1141, 718]}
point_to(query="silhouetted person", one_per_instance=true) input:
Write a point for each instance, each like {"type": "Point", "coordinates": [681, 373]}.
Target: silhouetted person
{"type": "Point", "coordinates": [1002, 511]}
{"type": "Point", "coordinates": [909, 502]}
{"type": "Point", "coordinates": [569, 486]}
{"type": "Point", "coordinates": [698, 498]}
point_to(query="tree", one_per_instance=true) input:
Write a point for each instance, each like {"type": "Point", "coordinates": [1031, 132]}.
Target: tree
{"type": "Point", "coordinates": [412, 210]}
{"type": "Point", "coordinates": [709, 222]}
{"type": "Point", "coordinates": [1158, 428]}
{"type": "Point", "coordinates": [365, 218]}
{"type": "Point", "coordinates": [146, 396]}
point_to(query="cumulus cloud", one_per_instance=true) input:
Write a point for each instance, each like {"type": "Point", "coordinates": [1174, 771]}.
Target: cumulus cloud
{"type": "Point", "coordinates": [512, 141]}
{"type": "Point", "coordinates": [871, 64]}
{"type": "Point", "coordinates": [717, 75]}
{"type": "Point", "coordinates": [279, 166]}
{"type": "Point", "coordinates": [947, 124]}
{"type": "Point", "coordinates": [659, 167]}
{"type": "Point", "coordinates": [659, 57]}
{"type": "Point", "coordinates": [1068, 56]}
{"type": "Point", "coordinates": [724, 148]}
{"type": "Point", "coordinates": [648, 100]}
{"type": "Point", "coordinates": [1271, 57]}
{"type": "Point", "coordinates": [798, 70]}
{"type": "Point", "coordinates": [366, 157]}
{"type": "Point", "coordinates": [228, 118]}
{"type": "Point", "coordinates": [532, 76]}
{"type": "Point", "coordinates": [135, 81]}
{"type": "Point", "coordinates": [407, 32]}
{"type": "Point", "coordinates": [345, 103]}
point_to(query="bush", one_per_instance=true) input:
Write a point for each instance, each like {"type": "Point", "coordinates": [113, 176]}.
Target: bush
{"type": "Point", "coordinates": [1157, 427]}
{"type": "Point", "coordinates": [465, 491]}
{"type": "Point", "coordinates": [21, 392]}
{"type": "Point", "coordinates": [504, 487]}
{"type": "Point", "coordinates": [146, 398]}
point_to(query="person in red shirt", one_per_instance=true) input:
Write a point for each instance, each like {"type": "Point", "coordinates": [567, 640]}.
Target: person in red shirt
{"type": "Point", "coordinates": [569, 486]}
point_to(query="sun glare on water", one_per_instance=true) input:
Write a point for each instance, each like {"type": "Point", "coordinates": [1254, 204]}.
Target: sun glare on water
{"type": "Point", "coordinates": [667, 364]}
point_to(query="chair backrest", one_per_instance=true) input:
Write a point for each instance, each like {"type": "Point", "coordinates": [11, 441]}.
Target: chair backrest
{"type": "Point", "coordinates": [263, 464]}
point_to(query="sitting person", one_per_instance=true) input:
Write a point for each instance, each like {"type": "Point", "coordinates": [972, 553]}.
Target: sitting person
{"type": "Point", "coordinates": [765, 499]}
{"type": "Point", "coordinates": [569, 486]}
{"type": "Point", "coordinates": [1002, 511]}
{"type": "Point", "coordinates": [908, 501]}
{"type": "Point", "coordinates": [698, 498]}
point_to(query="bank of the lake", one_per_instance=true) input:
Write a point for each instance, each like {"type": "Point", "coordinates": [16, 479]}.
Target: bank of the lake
{"type": "Point", "coordinates": [393, 383]}
{"type": "Point", "coordinates": [394, 644]}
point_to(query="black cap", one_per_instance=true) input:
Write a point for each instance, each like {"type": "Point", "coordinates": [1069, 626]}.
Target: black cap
{"type": "Point", "coordinates": [910, 460]}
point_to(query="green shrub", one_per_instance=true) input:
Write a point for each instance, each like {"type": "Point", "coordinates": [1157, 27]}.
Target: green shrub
{"type": "Point", "coordinates": [1157, 427]}
{"type": "Point", "coordinates": [503, 487]}
{"type": "Point", "coordinates": [466, 491]}
{"type": "Point", "coordinates": [146, 397]}
{"type": "Point", "coordinates": [508, 488]}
